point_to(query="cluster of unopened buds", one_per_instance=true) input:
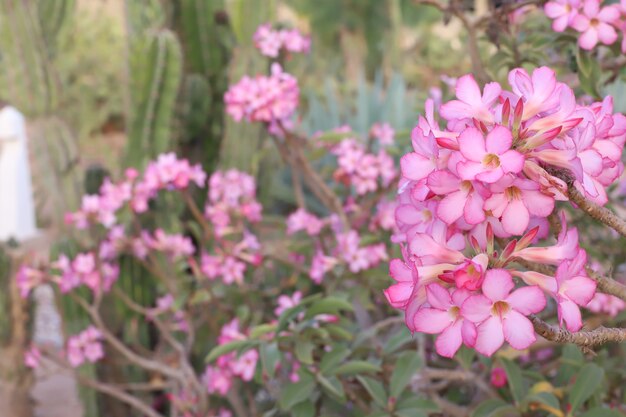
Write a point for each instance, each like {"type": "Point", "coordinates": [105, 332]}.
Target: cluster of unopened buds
{"type": "Point", "coordinates": [595, 20]}
{"type": "Point", "coordinates": [487, 178]}
{"type": "Point", "coordinates": [271, 42]}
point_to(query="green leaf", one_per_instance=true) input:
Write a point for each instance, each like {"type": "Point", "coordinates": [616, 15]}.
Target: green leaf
{"type": "Point", "coordinates": [303, 409]}
{"type": "Point", "coordinates": [330, 305]}
{"type": "Point", "coordinates": [338, 332]}
{"type": "Point", "coordinates": [465, 357]}
{"type": "Point", "coordinates": [602, 412]}
{"type": "Point", "coordinates": [494, 407]}
{"type": "Point", "coordinates": [379, 413]}
{"type": "Point", "coordinates": [356, 367]}
{"type": "Point", "coordinates": [375, 389]}
{"type": "Point", "coordinates": [406, 366]}
{"type": "Point", "coordinates": [270, 355]}
{"type": "Point", "coordinates": [262, 329]}
{"type": "Point", "coordinates": [546, 401]}
{"type": "Point", "coordinates": [413, 402]}
{"type": "Point", "coordinates": [332, 386]}
{"type": "Point", "coordinates": [410, 412]}
{"type": "Point", "coordinates": [220, 350]}
{"type": "Point", "coordinates": [516, 382]}
{"type": "Point", "coordinates": [304, 351]}
{"type": "Point", "coordinates": [293, 394]}
{"type": "Point", "coordinates": [396, 341]}
{"type": "Point", "coordinates": [333, 358]}
{"type": "Point", "coordinates": [587, 382]}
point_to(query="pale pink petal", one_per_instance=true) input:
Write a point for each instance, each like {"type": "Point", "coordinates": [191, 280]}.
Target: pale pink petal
{"type": "Point", "coordinates": [560, 24]}
{"type": "Point", "coordinates": [606, 33]}
{"type": "Point", "coordinates": [518, 330]}
{"type": "Point", "coordinates": [455, 109]}
{"type": "Point", "coordinates": [438, 297]}
{"type": "Point", "coordinates": [449, 341]}
{"type": "Point", "coordinates": [580, 289]}
{"type": "Point", "coordinates": [431, 320]}
{"type": "Point", "coordinates": [468, 170]}
{"type": "Point", "coordinates": [490, 336]}
{"type": "Point", "coordinates": [588, 39]}
{"type": "Point", "coordinates": [609, 14]}
{"type": "Point", "coordinates": [497, 284]}
{"type": "Point", "coordinates": [490, 176]}
{"type": "Point", "coordinates": [416, 167]}
{"type": "Point", "coordinates": [400, 271]}
{"type": "Point", "coordinates": [570, 313]}
{"type": "Point", "coordinates": [541, 205]}
{"type": "Point", "coordinates": [512, 161]}
{"type": "Point", "coordinates": [399, 294]}
{"type": "Point", "coordinates": [491, 92]}
{"type": "Point", "coordinates": [580, 22]}
{"type": "Point", "coordinates": [472, 144]}
{"type": "Point", "coordinates": [499, 140]}
{"type": "Point", "coordinates": [554, 9]}
{"type": "Point", "coordinates": [468, 331]}
{"type": "Point", "coordinates": [527, 300]}
{"type": "Point", "coordinates": [515, 217]}
{"type": "Point", "coordinates": [591, 7]}
{"type": "Point", "coordinates": [473, 212]}
{"type": "Point", "coordinates": [442, 182]}
{"type": "Point", "coordinates": [468, 91]}
{"type": "Point", "coordinates": [476, 308]}
{"type": "Point", "coordinates": [451, 207]}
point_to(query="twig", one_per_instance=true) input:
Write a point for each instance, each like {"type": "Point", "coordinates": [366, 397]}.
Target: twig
{"type": "Point", "coordinates": [602, 214]}
{"type": "Point", "coordinates": [586, 339]}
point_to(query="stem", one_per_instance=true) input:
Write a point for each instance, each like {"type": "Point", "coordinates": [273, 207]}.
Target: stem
{"type": "Point", "coordinates": [602, 214]}
{"type": "Point", "coordinates": [587, 339]}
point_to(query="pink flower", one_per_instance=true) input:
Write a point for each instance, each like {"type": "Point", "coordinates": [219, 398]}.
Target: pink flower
{"type": "Point", "coordinates": [488, 159]}
{"type": "Point", "coordinates": [303, 220]}
{"type": "Point", "coordinates": [264, 98]}
{"type": "Point", "coordinates": [563, 12]}
{"type": "Point", "coordinates": [604, 303]}
{"type": "Point", "coordinates": [498, 377]}
{"type": "Point", "coordinates": [574, 289]}
{"type": "Point", "coordinates": [566, 248]}
{"type": "Point", "coordinates": [444, 317]}
{"type": "Point", "coordinates": [270, 42]}
{"type": "Point", "coordinates": [383, 132]}
{"type": "Point", "coordinates": [85, 346]}
{"type": "Point", "coordinates": [471, 104]}
{"type": "Point", "coordinates": [245, 365]}
{"type": "Point", "coordinates": [32, 357]}
{"type": "Point", "coordinates": [399, 294]}
{"type": "Point", "coordinates": [217, 380]}
{"type": "Point", "coordinates": [500, 314]}
{"type": "Point", "coordinates": [514, 200]}
{"type": "Point", "coordinates": [320, 265]}
{"type": "Point", "coordinates": [285, 302]}
{"type": "Point", "coordinates": [462, 198]}
{"type": "Point", "coordinates": [595, 24]}
{"type": "Point", "coordinates": [27, 279]}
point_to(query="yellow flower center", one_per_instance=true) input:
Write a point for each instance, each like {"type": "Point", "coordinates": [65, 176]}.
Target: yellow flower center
{"type": "Point", "coordinates": [491, 161]}
{"type": "Point", "coordinates": [500, 308]}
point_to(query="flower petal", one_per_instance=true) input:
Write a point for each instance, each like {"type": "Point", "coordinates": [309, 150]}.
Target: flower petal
{"type": "Point", "coordinates": [499, 140]}
{"type": "Point", "coordinates": [527, 300]}
{"type": "Point", "coordinates": [438, 297]}
{"type": "Point", "coordinates": [449, 341]}
{"type": "Point", "coordinates": [476, 308]}
{"type": "Point", "coordinates": [518, 330]}
{"type": "Point", "coordinates": [490, 336]}
{"type": "Point", "coordinates": [431, 320]}
{"type": "Point", "coordinates": [498, 284]}
{"type": "Point", "coordinates": [472, 144]}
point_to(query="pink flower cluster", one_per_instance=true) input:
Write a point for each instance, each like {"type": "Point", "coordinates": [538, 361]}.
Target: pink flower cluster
{"type": "Point", "coordinates": [595, 22]}
{"type": "Point", "coordinates": [85, 347]}
{"type": "Point", "coordinates": [384, 133]}
{"type": "Point", "coordinates": [486, 175]}
{"type": "Point", "coordinates": [608, 304]}
{"type": "Point", "coordinates": [263, 98]}
{"type": "Point", "coordinates": [230, 261]}
{"type": "Point", "coordinates": [166, 173]}
{"type": "Point", "coordinates": [361, 169]}
{"type": "Point", "coordinates": [85, 269]}
{"type": "Point", "coordinates": [175, 246]}
{"type": "Point", "coordinates": [270, 42]}
{"type": "Point", "coordinates": [219, 378]}
{"type": "Point", "coordinates": [232, 193]}
{"type": "Point", "coordinates": [302, 220]}
{"type": "Point", "coordinates": [359, 258]}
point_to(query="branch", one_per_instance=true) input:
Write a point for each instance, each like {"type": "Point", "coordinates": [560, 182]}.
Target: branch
{"type": "Point", "coordinates": [602, 214]}
{"type": "Point", "coordinates": [605, 285]}
{"type": "Point", "coordinates": [585, 339]}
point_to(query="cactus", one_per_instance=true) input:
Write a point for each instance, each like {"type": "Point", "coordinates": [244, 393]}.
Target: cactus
{"type": "Point", "coordinates": [53, 16]}
{"type": "Point", "coordinates": [158, 76]}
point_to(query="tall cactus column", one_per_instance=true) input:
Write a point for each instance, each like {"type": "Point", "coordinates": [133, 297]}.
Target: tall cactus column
{"type": "Point", "coordinates": [157, 72]}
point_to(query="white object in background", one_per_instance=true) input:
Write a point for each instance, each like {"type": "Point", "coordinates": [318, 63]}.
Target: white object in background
{"type": "Point", "coordinates": [17, 211]}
